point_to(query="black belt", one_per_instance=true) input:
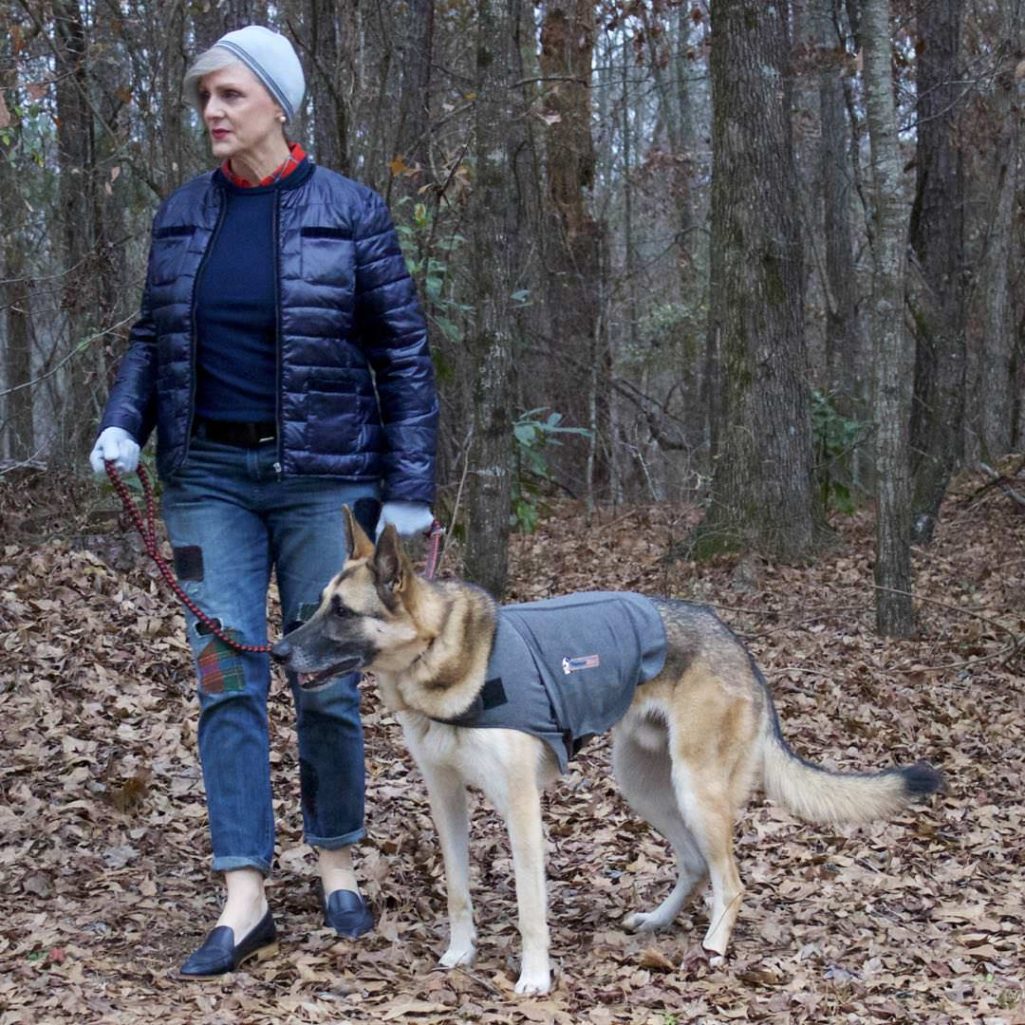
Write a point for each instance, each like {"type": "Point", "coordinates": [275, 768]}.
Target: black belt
{"type": "Point", "coordinates": [241, 434]}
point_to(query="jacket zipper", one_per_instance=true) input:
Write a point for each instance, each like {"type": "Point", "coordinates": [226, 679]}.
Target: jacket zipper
{"type": "Point", "coordinates": [193, 368]}
{"type": "Point", "coordinates": [276, 231]}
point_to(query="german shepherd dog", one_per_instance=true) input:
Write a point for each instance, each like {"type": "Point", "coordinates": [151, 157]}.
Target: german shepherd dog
{"type": "Point", "coordinates": [693, 742]}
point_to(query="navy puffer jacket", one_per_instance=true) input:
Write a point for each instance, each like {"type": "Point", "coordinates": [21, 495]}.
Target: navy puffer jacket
{"type": "Point", "coordinates": [355, 391]}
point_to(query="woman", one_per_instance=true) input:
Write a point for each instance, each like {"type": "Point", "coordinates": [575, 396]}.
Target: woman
{"type": "Point", "coordinates": [282, 356]}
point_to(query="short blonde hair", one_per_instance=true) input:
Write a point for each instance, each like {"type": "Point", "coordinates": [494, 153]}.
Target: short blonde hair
{"type": "Point", "coordinates": [205, 64]}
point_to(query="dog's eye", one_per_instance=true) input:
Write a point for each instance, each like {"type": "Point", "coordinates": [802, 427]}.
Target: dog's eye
{"type": "Point", "coordinates": [339, 609]}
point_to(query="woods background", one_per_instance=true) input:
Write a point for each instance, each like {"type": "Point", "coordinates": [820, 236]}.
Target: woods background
{"type": "Point", "coordinates": [761, 255]}
{"type": "Point", "coordinates": [701, 277]}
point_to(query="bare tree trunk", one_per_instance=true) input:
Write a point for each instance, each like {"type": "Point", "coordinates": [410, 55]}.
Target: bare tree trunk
{"type": "Point", "coordinates": [324, 82]}
{"type": "Point", "coordinates": [846, 344]}
{"type": "Point", "coordinates": [79, 219]}
{"type": "Point", "coordinates": [666, 57]}
{"type": "Point", "coordinates": [629, 255]}
{"type": "Point", "coordinates": [994, 401]}
{"type": "Point", "coordinates": [495, 238]}
{"type": "Point", "coordinates": [805, 119]}
{"type": "Point", "coordinates": [14, 274]}
{"type": "Point", "coordinates": [168, 55]}
{"type": "Point", "coordinates": [937, 237]}
{"type": "Point", "coordinates": [839, 356]}
{"type": "Point", "coordinates": [214, 18]}
{"type": "Point", "coordinates": [894, 357]}
{"type": "Point", "coordinates": [18, 413]}
{"type": "Point", "coordinates": [412, 140]}
{"type": "Point", "coordinates": [762, 489]}
{"type": "Point", "coordinates": [574, 239]}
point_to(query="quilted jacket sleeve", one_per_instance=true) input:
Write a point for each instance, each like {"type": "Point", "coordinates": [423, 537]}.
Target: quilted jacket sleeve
{"type": "Point", "coordinates": [393, 333]}
{"type": "Point", "coordinates": [131, 404]}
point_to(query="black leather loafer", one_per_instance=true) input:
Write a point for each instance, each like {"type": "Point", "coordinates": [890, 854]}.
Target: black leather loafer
{"type": "Point", "coordinates": [347, 913]}
{"type": "Point", "coordinates": [219, 954]}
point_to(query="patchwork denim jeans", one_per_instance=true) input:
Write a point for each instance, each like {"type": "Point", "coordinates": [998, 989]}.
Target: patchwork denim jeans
{"type": "Point", "coordinates": [232, 523]}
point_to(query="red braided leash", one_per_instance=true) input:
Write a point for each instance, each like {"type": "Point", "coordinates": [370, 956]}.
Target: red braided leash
{"type": "Point", "coordinates": [148, 532]}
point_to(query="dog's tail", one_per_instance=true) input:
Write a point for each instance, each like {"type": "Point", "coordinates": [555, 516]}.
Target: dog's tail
{"type": "Point", "coordinates": [817, 794]}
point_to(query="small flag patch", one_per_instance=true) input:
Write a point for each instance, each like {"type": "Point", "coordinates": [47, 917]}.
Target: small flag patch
{"type": "Point", "coordinates": [574, 665]}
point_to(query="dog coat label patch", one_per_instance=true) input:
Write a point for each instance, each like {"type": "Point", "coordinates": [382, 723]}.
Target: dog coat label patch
{"type": "Point", "coordinates": [574, 665]}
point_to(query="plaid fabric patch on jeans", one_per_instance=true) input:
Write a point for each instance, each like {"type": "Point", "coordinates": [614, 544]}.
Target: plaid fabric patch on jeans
{"type": "Point", "coordinates": [220, 667]}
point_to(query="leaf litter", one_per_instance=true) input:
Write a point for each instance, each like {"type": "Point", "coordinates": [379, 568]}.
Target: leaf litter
{"type": "Point", "coordinates": [104, 878]}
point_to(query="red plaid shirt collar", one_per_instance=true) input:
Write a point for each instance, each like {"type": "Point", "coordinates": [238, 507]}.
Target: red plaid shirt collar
{"type": "Point", "coordinates": [296, 156]}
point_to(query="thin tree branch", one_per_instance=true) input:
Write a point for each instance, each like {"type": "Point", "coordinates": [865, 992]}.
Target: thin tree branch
{"type": "Point", "coordinates": [1001, 482]}
{"type": "Point", "coordinates": [79, 347]}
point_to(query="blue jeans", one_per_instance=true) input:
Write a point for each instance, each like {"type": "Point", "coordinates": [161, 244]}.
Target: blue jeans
{"type": "Point", "coordinates": [231, 522]}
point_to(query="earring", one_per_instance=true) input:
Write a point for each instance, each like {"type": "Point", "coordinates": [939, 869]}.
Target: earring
{"type": "Point", "coordinates": [282, 118]}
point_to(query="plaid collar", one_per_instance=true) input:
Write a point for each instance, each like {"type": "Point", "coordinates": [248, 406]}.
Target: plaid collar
{"type": "Point", "coordinates": [296, 156]}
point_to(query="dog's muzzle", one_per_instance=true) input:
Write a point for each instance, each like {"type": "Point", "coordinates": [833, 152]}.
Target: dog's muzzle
{"type": "Point", "coordinates": [284, 653]}
{"type": "Point", "coordinates": [281, 652]}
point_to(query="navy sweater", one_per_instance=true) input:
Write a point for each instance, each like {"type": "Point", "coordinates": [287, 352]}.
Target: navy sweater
{"type": "Point", "coordinates": [236, 307]}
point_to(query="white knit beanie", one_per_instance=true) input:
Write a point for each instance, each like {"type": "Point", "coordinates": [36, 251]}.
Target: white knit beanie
{"type": "Point", "coordinates": [272, 59]}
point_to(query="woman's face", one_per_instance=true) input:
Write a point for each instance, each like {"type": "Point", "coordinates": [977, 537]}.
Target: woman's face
{"type": "Point", "coordinates": [239, 113]}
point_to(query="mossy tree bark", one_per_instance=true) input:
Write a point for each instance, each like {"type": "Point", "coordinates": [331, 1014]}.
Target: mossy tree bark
{"type": "Point", "coordinates": [572, 245]}
{"type": "Point", "coordinates": [762, 488]}
{"type": "Point", "coordinates": [497, 225]}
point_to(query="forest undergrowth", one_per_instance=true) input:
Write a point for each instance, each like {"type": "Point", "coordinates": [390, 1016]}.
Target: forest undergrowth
{"type": "Point", "coordinates": [104, 879]}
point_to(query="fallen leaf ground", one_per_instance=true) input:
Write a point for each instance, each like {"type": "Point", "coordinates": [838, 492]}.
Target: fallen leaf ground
{"type": "Point", "coordinates": [104, 883]}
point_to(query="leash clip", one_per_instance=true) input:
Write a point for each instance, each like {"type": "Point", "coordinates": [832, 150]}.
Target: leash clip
{"type": "Point", "coordinates": [434, 534]}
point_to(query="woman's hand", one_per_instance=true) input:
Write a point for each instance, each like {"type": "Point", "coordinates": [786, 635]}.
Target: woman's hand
{"type": "Point", "coordinates": [114, 445]}
{"type": "Point", "coordinates": [408, 518]}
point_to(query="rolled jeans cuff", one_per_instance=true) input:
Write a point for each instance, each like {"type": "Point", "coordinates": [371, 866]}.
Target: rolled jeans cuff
{"type": "Point", "coordinates": [333, 843]}
{"type": "Point", "coordinates": [230, 864]}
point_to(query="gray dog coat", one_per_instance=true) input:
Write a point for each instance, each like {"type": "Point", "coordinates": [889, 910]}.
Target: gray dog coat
{"type": "Point", "coordinates": [565, 669]}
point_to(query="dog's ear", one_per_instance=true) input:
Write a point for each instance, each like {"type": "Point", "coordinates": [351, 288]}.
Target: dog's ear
{"type": "Point", "coordinates": [391, 565]}
{"type": "Point", "coordinates": [359, 545]}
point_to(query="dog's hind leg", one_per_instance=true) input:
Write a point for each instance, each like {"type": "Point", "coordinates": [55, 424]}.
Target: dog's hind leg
{"type": "Point", "coordinates": [642, 770]}
{"type": "Point", "coordinates": [447, 794]}
{"type": "Point", "coordinates": [707, 802]}
{"type": "Point", "coordinates": [708, 811]}
{"type": "Point", "coordinates": [713, 728]}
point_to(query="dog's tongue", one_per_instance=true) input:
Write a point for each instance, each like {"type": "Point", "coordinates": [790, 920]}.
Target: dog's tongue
{"type": "Point", "coordinates": [309, 680]}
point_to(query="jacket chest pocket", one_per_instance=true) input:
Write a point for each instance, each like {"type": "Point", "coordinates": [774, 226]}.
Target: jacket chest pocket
{"type": "Point", "coordinates": [169, 248]}
{"type": "Point", "coordinates": [328, 256]}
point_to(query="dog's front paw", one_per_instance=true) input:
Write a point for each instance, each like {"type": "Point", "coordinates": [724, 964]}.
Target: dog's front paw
{"type": "Point", "coordinates": [534, 983]}
{"type": "Point", "coordinates": [458, 954]}
{"type": "Point", "coordinates": [535, 973]}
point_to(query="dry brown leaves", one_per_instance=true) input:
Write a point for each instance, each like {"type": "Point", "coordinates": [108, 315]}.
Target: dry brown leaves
{"type": "Point", "coordinates": [104, 883]}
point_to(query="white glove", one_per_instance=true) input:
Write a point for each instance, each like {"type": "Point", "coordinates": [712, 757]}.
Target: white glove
{"type": "Point", "coordinates": [119, 447]}
{"type": "Point", "coordinates": [407, 517]}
